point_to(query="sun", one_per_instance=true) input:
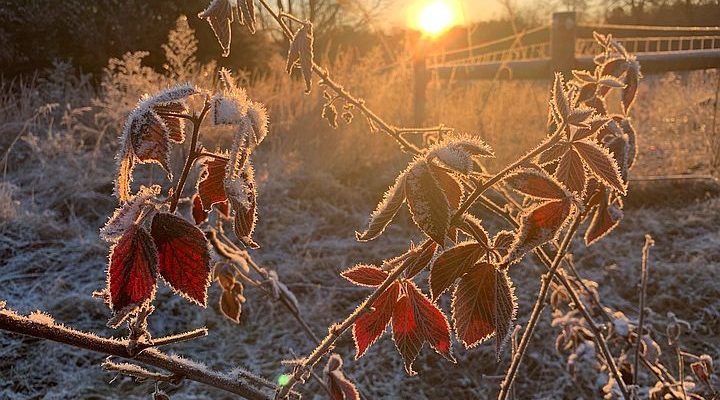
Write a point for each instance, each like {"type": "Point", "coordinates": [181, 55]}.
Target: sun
{"type": "Point", "coordinates": [436, 17]}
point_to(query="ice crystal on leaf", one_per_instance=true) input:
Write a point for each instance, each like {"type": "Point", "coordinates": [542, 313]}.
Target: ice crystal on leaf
{"type": "Point", "coordinates": [301, 52]}
{"type": "Point", "coordinates": [127, 214]}
{"type": "Point", "coordinates": [219, 15]}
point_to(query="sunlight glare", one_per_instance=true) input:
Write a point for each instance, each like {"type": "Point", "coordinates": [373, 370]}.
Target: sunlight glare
{"type": "Point", "coordinates": [436, 17]}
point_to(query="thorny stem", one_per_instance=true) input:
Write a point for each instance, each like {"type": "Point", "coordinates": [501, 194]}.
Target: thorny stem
{"type": "Point", "coordinates": [574, 297]}
{"type": "Point", "coordinates": [181, 337]}
{"type": "Point", "coordinates": [537, 310]}
{"type": "Point", "coordinates": [193, 155]}
{"type": "Point", "coordinates": [12, 322]}
{"type": "Point", "coordinates": [643, 291]}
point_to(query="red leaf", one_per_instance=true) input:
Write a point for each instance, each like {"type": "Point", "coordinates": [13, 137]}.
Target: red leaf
{"type": "Point", "coordinates": [539, 226]}
{"type": "Point", "coordinates": [385, 211]}
{"type": "Point", "coordinates": [341, 388]}
{"type": "Point", "coordinates": [571, 172]}
{"type": "Point", "coordinates": [365, 275]}
{"type": "Point", "coordinates": [484, 304]}
{"type": "Point", "coordinates": [535, 183]}
{"type": "Point", "coordinates": [199, 215]}
{"type": "Point", "coordinates": [601, 164]}
{"type": "Point", "coordinates": [417, 320]}
{"type": "Point", "coordinates": [473, 226]}
{"type": "Point", "coordinates": [211, 188]}
{"type": "Point", "coordinates": [132, 274]}
{"type": "Point", "coordinates": [419, 259]}
{"type": "Point", "coordinates": [451, 265]}
{"type": "Point", "coordinates": [125, 215]}
{"type": "Point", "coordinates": [223, 208]}
{"type": "Point", "coordinates": [184, 258]}
{"type": "Point", "coordinates": [606, 218]}
{"type": "Point", "coordinates": [371, 325]}
{"type": "Point", "coordinates": [428, 203]}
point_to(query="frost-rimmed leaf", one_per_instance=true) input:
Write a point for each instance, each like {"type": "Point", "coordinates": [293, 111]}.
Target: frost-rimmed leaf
{"type": "Point", "coordinates": [132, 274]}
{"type": "Point", "coordinates": [385, 211]}
{"type": "Point", "coordinates": [365, 275]}
{"type": "Point", "coordinates": [559, 98]}
{"type": "Point", "coordinates": [124, 216]}
{"type": "Point", "coordinates": [198, 212]}
{"type": "Point", "coordinates": [175, 125]}
{"type": "Point", "coordinates": [484, 305]}
{"type": "Point", "coordinates": [419, 258]}
{"type": "Point", "coordinates": [258, 121]}
{"type": "Point", "coordinates": [629, 93]}
{"type": "Point", "coordinates": [230, 107]}
{"type": "Point", "coordinates": [150, 140]}
{"type": "Point", "coordinates": [552, 154]}
{"type": "Point", "coordinates": [539, 226]}
{"type": "Point", "coordinates": [301, 49]}
{"type": "Point", "coordinates": [601, 163]}
{"type": "Point", "coordinates": [416, 321]}
{"type": "Point", "coordinates": [219, 15]}
{"type": "Point", "coordinates": [579, 116]}
{"type": "Point", "coordinates": [211, 186]}
{"type": "Point", "coordinates": [457, 152]}
{"type": "Point", "coordinates": [247, 7]}
{"type": "Point", "coordinates": [473, 226]}
{"type": "Point", "coordinates": [341, 388]}
{"type": "Point", "coordinates": [606, 218]}
{"type": "Point", "coordinates": [571, 172]}
{"type": "Point", "coordinates": [451, 265]}
{"type": "Point", "coordinates": [595, 124]}
{"type": "Point", "coordinates": [372, 324]}
{"type": "Point", "coordinates": [241, 193]}
{"type": "Point", "coordinates": [428, 203]}
{"type": "Point", "coordinates": [536, 183]}
{"type": "Point", "coordinates": [183, 256]}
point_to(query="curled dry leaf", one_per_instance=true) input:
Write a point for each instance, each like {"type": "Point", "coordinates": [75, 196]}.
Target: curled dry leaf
{"type": "Point", "coordinates": [483, 305]}
{"type": "Point", "coordinates": [385, 211]}
{"type": "Point", "coordinates": [231, 303]}
{"type": "Point", "coordinates": [242, 196]}
{"type": "Point", "coordinates": [132, 272]}
{"type": "Point", "coordinates": [428, 202]}
{"type": "Point", "coordinates": [183, 255]}
{"type": "Point", "coordinates": [301, 50]}
{"type": "Point", "coordinates": [341, 388]}
{"type": "Point", "coordinates": [219, 15]}
{"type": "Point", "coordinates": [125, 216]}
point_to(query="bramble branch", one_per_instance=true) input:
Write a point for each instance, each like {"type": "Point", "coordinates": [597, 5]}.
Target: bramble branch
{"type": "Point", "coordinates": [176, 365]}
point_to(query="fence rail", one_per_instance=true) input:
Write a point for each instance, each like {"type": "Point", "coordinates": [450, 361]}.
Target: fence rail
{"type": "Point", "coordinates": [565, 45]}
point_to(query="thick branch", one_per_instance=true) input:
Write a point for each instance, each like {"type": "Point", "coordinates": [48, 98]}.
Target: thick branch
{"type": "Point", "coordinates": [178, 366]}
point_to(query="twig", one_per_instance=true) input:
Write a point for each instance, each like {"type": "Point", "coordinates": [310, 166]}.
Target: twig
{"type": "Point", "coordinates": [13, 322]}
{"type": "Point", "coordinates": [643, 292]}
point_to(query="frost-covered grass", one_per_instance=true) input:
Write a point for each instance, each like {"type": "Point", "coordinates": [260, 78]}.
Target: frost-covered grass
{"type": "Point", "coordinates": [317, 186]}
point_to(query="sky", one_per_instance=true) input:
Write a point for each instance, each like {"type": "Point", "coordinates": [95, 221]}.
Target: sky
{"type": "Point", "coordinates": [471, 10]}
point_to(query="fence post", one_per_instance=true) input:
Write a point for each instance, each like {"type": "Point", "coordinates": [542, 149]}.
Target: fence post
{"type": "Point", "coordinates": [420, 81]}
{"type": "Point", "coordinates": [562, 41]}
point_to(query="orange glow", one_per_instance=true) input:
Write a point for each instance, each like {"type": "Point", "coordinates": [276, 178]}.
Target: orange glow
{"type": "Point", "coordinates": [434, 17]}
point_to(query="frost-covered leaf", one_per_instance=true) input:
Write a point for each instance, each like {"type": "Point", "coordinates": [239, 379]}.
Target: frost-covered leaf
{"type": "Point", "coordinates": [124, 216]}
{"type": "Point", "coordinates": [612, 69]}
{"type": "Point", "coordinates": [595, 124]}
{"type": "Point", "coordinates": [125, 165]}
{"type": "Point", "coordinates": [601, 163]}
{"type": "Point", "coordinates": [183, 255]}
{"type": "Point", "coordinates": [241, 193]}
{"type": "Point", "coordinates": [132, 273]}
{"type": "Point", "coordinates": [473, 226]}
{"type": "Point", "coordinates": [175, 125]}
{"type": "Point", "coordinates": [536, 183]}
{"type": "Point", "coordinates": [611, 82]}
{"type": "Point", "coordinates": [451, 265]}
{"type": "Point", "coordinates": [247, 8]}
{"type": "Point", "coordinates": [579, 116]}
{"type": "Point", "coordinates": [483, 305]}
{"type": "Point", "coordinates": [450, 186]}
{"type": "Point", "coordinates": [301, 50]}
{"type": "Point", "coordinates": [385, 211]}
{"type": "Point", "coordinates": [219, 15]}
{"type": "Point", "coordinates": [230, 107]}
{"type": "Point", "coordinates": [419, 258]}
{"type": "Point", "coordinates": [198, 212]}
{"type": "Point", "coordinates": [552, 154]}
{"type": "Point", "coordinates": [150, 139]}
{"type": "Point", "coordinates": [632, 79]}
{"type": "Point", "coordinates": [372, 324]}
{"type": "Point", "coordinates": [258, 122]}
{"type": "Point", "coordinates": [428, 203]}
{"type": "Point", "coordinates": [539, 226]}
{"type": "Point", "coordinates": [457, 152]}
{"type": "Point", "coordinates": [415, 321]}
{"type": "Point", "coordinates": [341, 388]}
{"type": "Point", "coordinates": [365, 275]}
{"type": "Point", "coordinates": [502, 242]}
{"type": "Point", "coordinates": [571, 172]}
{"type": "Point", "coordinates": [583, 76]}
{"type": "Point", "coordinates": [606, 217]}
{"type": "Point", "coordinates": [559, 97]}
{"type": "Point", "coordinates": [211, 186]}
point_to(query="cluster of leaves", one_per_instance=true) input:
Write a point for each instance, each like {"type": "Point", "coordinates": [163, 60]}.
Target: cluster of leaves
{"type": "Point", "coordinates": [580, 171]}
{"type": "Point", "coordinates": [148, 238]}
